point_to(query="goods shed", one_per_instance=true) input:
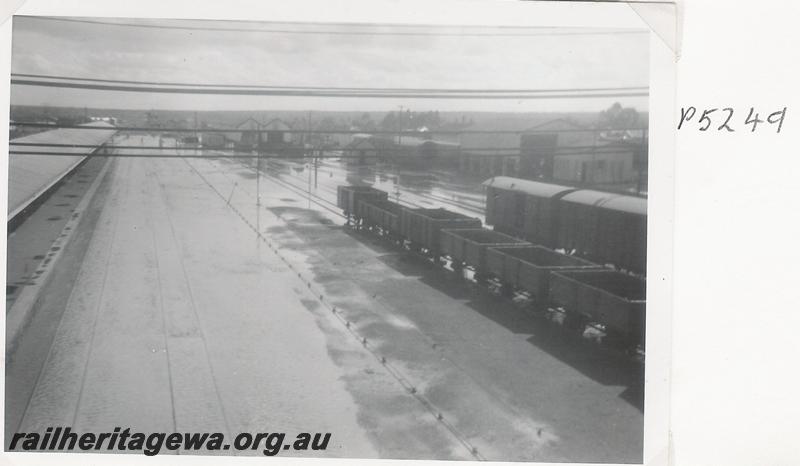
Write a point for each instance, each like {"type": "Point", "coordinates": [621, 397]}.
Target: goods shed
{"type": "Point", "coordinates": [360, 152]}
{"type": "Point", "coordinates": [414, 150]}
{"type": "Point", "coordinates": [31, 176]}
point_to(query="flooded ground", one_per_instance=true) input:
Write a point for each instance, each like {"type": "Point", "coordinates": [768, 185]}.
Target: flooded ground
{"type": "Point", "coordinates": [203, 299]}
{"type": "Point", "coordinates": [414, 188]}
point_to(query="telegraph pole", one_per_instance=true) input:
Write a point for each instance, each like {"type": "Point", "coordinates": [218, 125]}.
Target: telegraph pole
{"type": "Point", "coordinates": [308, 127]}
{"type": "Point", "coordinates": [593, 169]}
{"type": "Point", "coordinates": [258, 190]}
{"type": "Point", "coordinates": [400, 125]}
{"type": "Point", "coordinates": [314, 155]}
{"type": "Point", "coordinates": [641, 157]}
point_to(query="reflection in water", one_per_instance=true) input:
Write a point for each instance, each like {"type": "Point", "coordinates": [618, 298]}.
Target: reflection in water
{"type": "Point", "coordinates": [415, 188]}
{"type": "Point", "coordinates": [452, 191]}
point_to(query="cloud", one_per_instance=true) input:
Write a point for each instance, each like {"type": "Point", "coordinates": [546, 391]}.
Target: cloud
{"type": "Point", "coordinates": [380, 60]}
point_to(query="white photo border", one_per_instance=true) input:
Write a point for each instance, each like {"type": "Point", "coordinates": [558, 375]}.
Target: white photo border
{"type": "Point", "coordinates": [441, 12]}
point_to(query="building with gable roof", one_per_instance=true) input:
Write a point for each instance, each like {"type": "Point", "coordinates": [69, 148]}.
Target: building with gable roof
{"type": "Point", "coordinates": [273, 136]}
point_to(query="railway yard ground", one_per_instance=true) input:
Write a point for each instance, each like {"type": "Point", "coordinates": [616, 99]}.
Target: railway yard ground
{"type": "Point", "coordinates": [185, 301]}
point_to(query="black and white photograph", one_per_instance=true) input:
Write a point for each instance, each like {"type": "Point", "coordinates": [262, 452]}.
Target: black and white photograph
{"type": "Point", "coordinates": [330, 239]}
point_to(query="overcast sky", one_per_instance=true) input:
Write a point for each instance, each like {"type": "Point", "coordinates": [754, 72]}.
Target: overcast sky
{"type": "Point", "coordinates": [331, 56]}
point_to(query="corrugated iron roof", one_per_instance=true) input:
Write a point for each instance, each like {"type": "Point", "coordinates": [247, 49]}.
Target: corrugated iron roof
{"type": "Point", "coordinates": [589, 197]}
{"type": "Point", "coordinates": [444, 144]}
{"type": "Point", "coordinates": [634, 205]}
{"type": "Point", "coordinates": [611, 201]}
{"type": "Point", "coordinates": [533, 188]}
{"type": "Point", "coordinates": [67, 136]}
{"type": "Point", "coordinates": [249, 124]}
{"type": "Point", "coordinates": [30, 175]}
{"type": "Point", "coordinates": [276, 124]}
{"type": "Point", "coordinates": [557, 125]}
{"type": "Point", "coordinates": [413, 141]}
{"type": "Point", "coordinates": [360, 143]}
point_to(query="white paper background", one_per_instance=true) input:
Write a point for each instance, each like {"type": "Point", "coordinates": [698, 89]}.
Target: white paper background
{"type": "Point", "coordinates": [736, 350]}
{"type": "Point", "coordinates": [735, 307]}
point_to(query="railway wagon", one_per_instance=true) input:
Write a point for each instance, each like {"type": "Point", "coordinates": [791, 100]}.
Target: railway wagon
{"type": "Point", "coordinates": [529, 268]}
{"type": "Point", "coordinates": [605, 228]}
{"type": "Point", "coordinates": [380, 213]}
{"type": "Point", "coordinates": [213, 140]}
{"type": "Point", "coordinates": [422, 226]}
{"type": "Point", "coordinates": [470, 246]}
{"type": "Point", "coordinates": [523, 208]}
{"type": "Point", "coordinates": [613, 299]}
{"type": "Point", "coordinates": [347, 197]}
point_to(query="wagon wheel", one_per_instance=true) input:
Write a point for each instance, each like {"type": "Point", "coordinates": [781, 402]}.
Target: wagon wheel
{"type": "Point", "coordinates": [623, 342]}
{"type": "Point", "coordinates": [507, 290]}
{"type": "Point", "coordinates": [576, 322]}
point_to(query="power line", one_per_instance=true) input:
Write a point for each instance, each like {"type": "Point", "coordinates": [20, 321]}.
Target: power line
{"type": "Point", "coordinates": [313, 93]}
{"type": "Point", "coordinates": [350, 24]}
{"type": "Point", "coordinates": [395, 148]}
{"type": "Point", "coordinates": [176, 156]}
{"type": "Point", "coordinates": [298, 154]}
{"type": "Point", "coordinates": [331, 88]}
{"type": "Point", "coordinates": [347, 32]}
{"type": "Point", "coordinates": [293, 131]}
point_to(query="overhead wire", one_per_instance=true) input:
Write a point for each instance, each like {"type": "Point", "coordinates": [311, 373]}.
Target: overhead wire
{"type": "Point", "coordinates": [156, 129]}
{"type": "Point", "coordinates": [344, 149]}
{"type": "Point", "coordinates": [353, 29]}
{"type": "Point", "coordinates": [377, 93]}
{"type": "Point", "coordinates": [330, 88]}
{"type": "Point", "coordinates": [297, 152]}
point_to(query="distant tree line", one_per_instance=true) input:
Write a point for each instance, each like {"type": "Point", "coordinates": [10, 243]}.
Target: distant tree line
{"type": "Point", "coordinates": [618, 117]}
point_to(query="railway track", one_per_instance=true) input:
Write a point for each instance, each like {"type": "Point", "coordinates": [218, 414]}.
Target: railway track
{"type": "Point", "coordinates": [331, 189]}
{"type": "Point", "coordinates": [391, 368]}
{"type": "Point", "coordinates": [330, 205]}
{"type": "Point", "coordinates": [432, 198]}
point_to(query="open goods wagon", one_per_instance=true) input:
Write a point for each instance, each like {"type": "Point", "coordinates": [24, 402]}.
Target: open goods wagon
{"type": "Point", "coordinates": [422, 226]}
{"type": "Point", "coordinates": [529, 268]}
{"type": "Point", "coordinates": [470, 245]}
{"type": "Point", "coordinates": [613, 299]}
{"type": "Point", "coordinates": [581, 292]}
{"type": "Point", "coordinates": [347, 197]}
{"type": "Point", "coordinates": [380, 213]}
